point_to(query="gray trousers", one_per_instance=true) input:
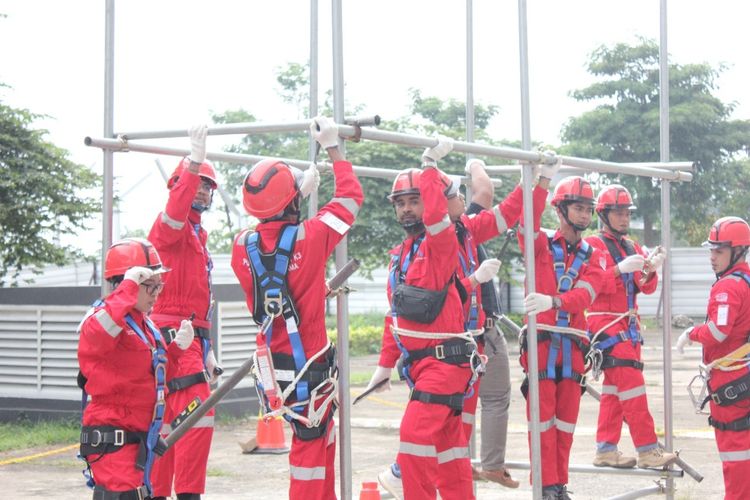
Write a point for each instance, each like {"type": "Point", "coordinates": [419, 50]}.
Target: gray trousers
{"type": "Point", "coordinates": [494, 396]}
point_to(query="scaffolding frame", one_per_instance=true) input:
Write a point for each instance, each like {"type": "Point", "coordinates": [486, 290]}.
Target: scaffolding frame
{"type": "Point", "coordinates": [668, 173]}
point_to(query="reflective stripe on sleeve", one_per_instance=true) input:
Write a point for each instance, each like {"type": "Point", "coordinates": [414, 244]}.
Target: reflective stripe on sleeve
{"type": "Point", "coordinates": [349, 204]}
{"type": "Point", "coordinates": [300, 232]}
{"type": "Point", "coordinates": [499, 219]}
{"type": "Point", "coordinates": [588, 287]}
{"type": "Point", "coordinates": [717, 334]}
{"type": "Point", "coordinates": [307, 473]}
{"type": "Point", "coordinates": [106, 322]}
{"type": "Point", "coordinates": [169, 221]}
{"type": "Point", "coordinates": [444, 224]}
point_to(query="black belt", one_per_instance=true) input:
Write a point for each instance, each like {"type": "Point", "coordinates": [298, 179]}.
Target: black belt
{"type": "Point", "coordinates": [453, 401]}
{"type": "Point", "coordinates": [610, 362]}
{"type": "Point", "coordinates": [454, 352]}
{"type": "Point", "coordinates": [732, 392]}
{"type": "Point", "coordinates": [169, 333]}
{"type": "Point", "coordinates": [179, 383]}
{"type": "Point", "coordinates": [741, 424]}
{"type": "Point", "coordinates": [101, 439]}
{"type": "Point", "coordinates": [139, 493]}
{"type": "Point", "coordinates": [306, 433]}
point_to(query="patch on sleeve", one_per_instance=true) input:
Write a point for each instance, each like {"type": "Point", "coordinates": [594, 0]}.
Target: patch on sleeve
{"type": "Point", "coordinates": [722, 297]}
{"type": "Point", "coordinates": [721, 315]}
{"type": "Point", "coordinates": [335, 223]}
{"type": "Point", "coordinates": [603, 262]}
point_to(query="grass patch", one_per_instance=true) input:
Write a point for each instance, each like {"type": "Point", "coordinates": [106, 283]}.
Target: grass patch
{"type": "Point", "coordinates": [214, 472]}
{"type": "Point", "coordinates": [20, 435]}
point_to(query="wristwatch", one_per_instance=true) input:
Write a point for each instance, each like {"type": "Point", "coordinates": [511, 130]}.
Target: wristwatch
{"type": "Point", "coordinates": [556, 302]}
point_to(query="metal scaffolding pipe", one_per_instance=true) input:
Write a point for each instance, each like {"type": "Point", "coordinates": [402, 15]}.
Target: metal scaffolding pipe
{"type": "Point", "coordinates": [226, 129]}
{"type": "Point", "coordinates": [682, 166]}
{"type": "Point", "coordinates": [651, 490]}
{"type": "Point", "coordinates": [108, 177]}
{"type": "Point", "coordinates": [591, 469]}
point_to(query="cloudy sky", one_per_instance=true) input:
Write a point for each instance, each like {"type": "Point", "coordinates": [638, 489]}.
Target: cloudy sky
{"type": "Point", "coordinates": [178, 61]}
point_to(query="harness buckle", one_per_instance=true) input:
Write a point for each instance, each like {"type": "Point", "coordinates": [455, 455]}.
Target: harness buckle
{"type": "Point", "coordinates": [272, 305]}
{"type": "Point", "coordinates": [119, 437]}
{"type": "Point", "coordinates": [96, 433]}
{"type": "Point", "coordinates": [565, 278]}
{"type": "Point", "coordinates": [730, 393]}
{"type": "Point", "coordinates": [439, 352]}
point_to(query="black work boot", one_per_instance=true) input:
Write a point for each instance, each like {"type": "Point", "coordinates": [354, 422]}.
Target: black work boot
{"type": "Point", "coordinates": [562, 493]}
{"type": "Point", "coordinates": [550, 492]}
{"type": "Point", "coordinates": [188, 496]}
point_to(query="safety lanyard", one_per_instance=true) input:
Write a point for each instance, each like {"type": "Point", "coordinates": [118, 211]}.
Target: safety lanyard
{"type": "Point", "coordinates": [565, 279]}
{"type": "Point", "coordinates": [276, 291]}
{"type": "Point", "coordinates": [159, 366]}
{"type": "Point", "coordinates": [468, 265]}
{"type": "Point", "coordinates": [628, 280]}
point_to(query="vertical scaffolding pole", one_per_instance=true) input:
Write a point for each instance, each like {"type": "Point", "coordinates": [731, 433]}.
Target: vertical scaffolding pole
{"type": "Point", "coordinates": [312, 201]}
{"type": "Point", "coordinates": [666, 233]}
{"type": "Point", "coordinates": [109, 128]}
{"type": "Point", "coordinates": [342, 300]}
{"type": "Point", "coordinates": [528, 234]}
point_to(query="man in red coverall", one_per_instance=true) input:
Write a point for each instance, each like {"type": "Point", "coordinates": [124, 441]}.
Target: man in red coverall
{"type": "Point", "coordinates": [181, 241]}
{"type": "Point", "coordinates": [725, 330]}
{"type": "Point", "coordinates": [271, 192]}
{"type": "Point", "coordinates": [121, 357]}
{"type": "Point", "coordinates": [614, 326]}
{"type": "Point", "coordinates": [559, 301]}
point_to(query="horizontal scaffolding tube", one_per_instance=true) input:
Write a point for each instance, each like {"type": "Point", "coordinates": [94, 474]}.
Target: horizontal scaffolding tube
{"type": "Point", "coordinates": [244, 159]}
{"type": "Point", "coordinates": [423, 141]}
{"type": "Point", "coordinates": [591, 469]}
{"type": "Point", "coordinates": [682, 166]}
{"type": "Point", "coordinates": [632, 495]}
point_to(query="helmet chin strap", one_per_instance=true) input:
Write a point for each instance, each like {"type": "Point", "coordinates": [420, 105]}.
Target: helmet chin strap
{"type": "Point", "coordinates": [604, 216]}
{"type": "Point", "coordinates": [564, 211]}
{"type": "Point", "coordinates": [738, 253]}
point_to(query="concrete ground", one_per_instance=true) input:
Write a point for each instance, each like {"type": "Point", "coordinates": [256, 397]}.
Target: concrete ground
{"type": "Point", "coordinates": [375, 422]}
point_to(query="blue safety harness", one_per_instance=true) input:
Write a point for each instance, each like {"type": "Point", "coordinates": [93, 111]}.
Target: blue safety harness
{"type": "Point", "coordinates": [565, 279]}
{"type": "Point", "coordinates": [632, 333]}
{"type": "Point", "coordinates": [273, 298]}
{"type": "Point", "coordinates": [159, 367]}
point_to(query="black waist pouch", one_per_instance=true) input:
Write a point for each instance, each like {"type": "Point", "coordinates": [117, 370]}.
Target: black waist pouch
{"type": "Point", "coordinates": [418, 304]}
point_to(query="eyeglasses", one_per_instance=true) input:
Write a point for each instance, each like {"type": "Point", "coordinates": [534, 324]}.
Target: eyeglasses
{"type": "Point", "coordinates": [153, 288]}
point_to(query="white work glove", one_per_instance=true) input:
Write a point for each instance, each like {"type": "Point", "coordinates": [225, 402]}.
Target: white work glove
{"type": "Point", "coordinates": [310, 181]}
{"type": "Point", "coordinates": [138, 274]}
{"type": "Point", "coordinates": [535, 303]}
{"type": "Point", "coordinates": [487, 270]}
{"type": "Point", "coordinates": [547, 170]}
{"type": "Point", "coordinates": [631, 263]}
{"type": "Point", "coordinates": [381, 373]}
{"type": "Point", "coordinates": [435, 153]}
{"type": "Point", "coordinates": [656, 258]}
{"type": "Point", "coordinates": [197, 135]}
{"type": "Point", "coordinates": [184, 336]}
{"type": "Point", "coordinates": [469, 163]}
{"type": "Point", "coordinates": [684, 339]}
{"type": "Point", "coordinates": [325, 131]}
{"type": "Point", "coordinates": [211, 366]}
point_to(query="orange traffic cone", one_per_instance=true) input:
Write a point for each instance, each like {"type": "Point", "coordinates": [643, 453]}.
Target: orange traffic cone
{"type": "Point", "coordinates": [269, 435]}
{"type": "Point", "coordinates": [369, 492]}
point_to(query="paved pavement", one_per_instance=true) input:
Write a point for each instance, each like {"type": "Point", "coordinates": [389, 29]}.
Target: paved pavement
{"type": "Point", "coordinates": [375, 422]}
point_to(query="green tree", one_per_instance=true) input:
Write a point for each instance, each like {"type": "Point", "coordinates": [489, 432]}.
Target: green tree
{"type": "Point", "coordinates": [40, 196]}
{"type": "Point", "coordinates": [624, 127]}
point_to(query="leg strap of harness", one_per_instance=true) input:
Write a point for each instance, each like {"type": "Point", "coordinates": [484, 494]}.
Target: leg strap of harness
{"type": "Point", "coordinates": [741, 424]}
{"type": "Point", "coordinates": [180, 383]}
{"type": "Point", "coordinates": [310, 433]}
{"type": "Point", "coordinates": [102, 439]}
{"type": "Point", "coordinates": [140, 493]}
{"type": "Point", "coordinates": [454, 352]}
{"type": "Point", "coordinates": [732, 392]}
{"type": "Point", "coordinates": [543, 375]}
{"type": "Point", "coordinates": [453, 401]}
{"type": "Point", "coordinates": [612, 362]}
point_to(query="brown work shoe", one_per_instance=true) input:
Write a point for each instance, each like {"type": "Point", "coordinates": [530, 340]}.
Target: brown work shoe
{"type": "Point", "coordinates": [656, 458]}
{"type": "Point", "coordinates": [614, 458]}
{"type": "Point", "coordinates": [500, 476]}
{"type": "Point", "coordinates": [476, 474]}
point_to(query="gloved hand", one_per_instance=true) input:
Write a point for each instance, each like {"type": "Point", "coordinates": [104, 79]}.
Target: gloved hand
{"type": "Point", "coordinates": [381, 373]}
{"type": "Point", "coordinates": [211, 366]}
{"type": "Point", "coordinates": [310, 181]}
{"type": "Point", "coordinates": [656, 258]}
{"type": "Point", "coordinates": [535, 303]}
{"type": "Point", "coordinates": [684, 339]}
{"type": "Point", "coordinates": [487, 270]}
{"type": "Point", "coordinates": [472, 161]}
{"type": "Point", "coordinates": [325, 131]}
{"type": "Point", "coordinates": [547, 170]}
{"type": "Point", "coordinates": [138, 274]}
{"type": "Point", "coordinates": [435, 153]}
{"type": "Point", "coordinates": [184, 336]}
{"type": "Point", "coordinates": [631, 263]}
{"type": "Point", "coordinates": [198, 143]}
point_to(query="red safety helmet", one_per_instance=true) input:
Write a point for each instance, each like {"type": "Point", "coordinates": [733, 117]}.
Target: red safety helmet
{"type": "Point", "coordinates": [407, 182]}
{"type": "Point", "coordinates": [614, 196]}
{"type": "Point", "coordinates": [206, 171]}
{"type": "Point", "coordinates": [573, 189]}
{"type": "Point", "coordinates": [728, 232]}
{"type": "Point", "coordinates": [269, 187]}
{"type": "Point", "coordinates": [131, 252]}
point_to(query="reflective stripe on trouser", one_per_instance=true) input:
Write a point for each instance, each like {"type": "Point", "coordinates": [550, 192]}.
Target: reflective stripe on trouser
{"type": "Point", "coordinates": [311, 467]}
{"type": "Point", "coordinates": [734, 452]}
{"type": "Point", "coordinates": [624, 399]}
{"type": "Point", "coordinates": [182, 468]}
{"type": "Point", "coordinates": [116, 471]}
{"type": "Point", "coordinates": [558, 408]}
{"type": "Point", "coordinates": [434, 453]}
{"type": "Point", "coordinates": [494, 395]}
